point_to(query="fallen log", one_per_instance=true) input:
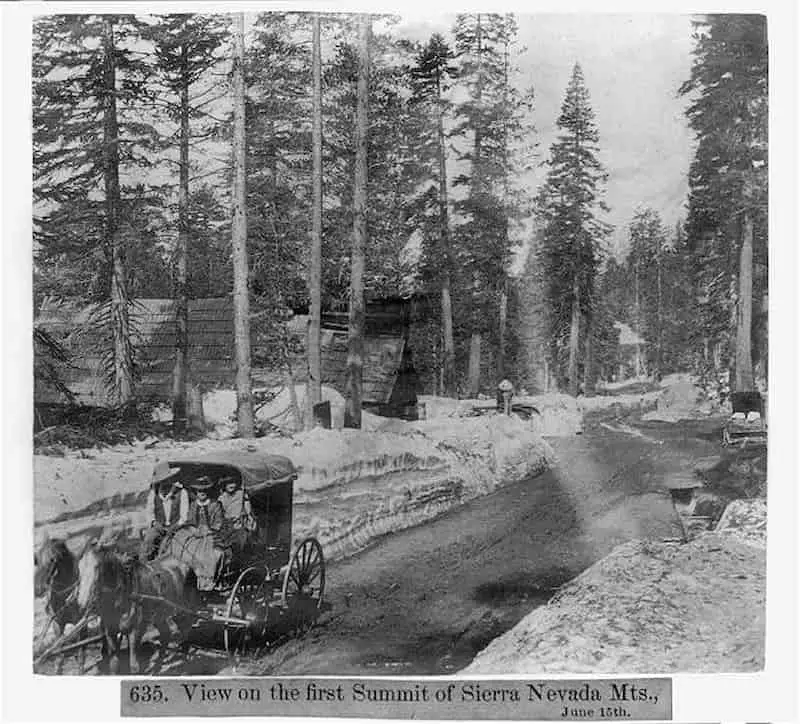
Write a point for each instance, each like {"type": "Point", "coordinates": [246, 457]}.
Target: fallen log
{"type": "Point", "coordinates": [56, 646]}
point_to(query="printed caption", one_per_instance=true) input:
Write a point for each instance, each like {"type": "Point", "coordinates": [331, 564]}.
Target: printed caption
{"type": "Point", "coordinates": [638, 699]}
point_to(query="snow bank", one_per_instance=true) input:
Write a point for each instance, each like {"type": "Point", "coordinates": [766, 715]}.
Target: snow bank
{"type": "Point", "coordinates": [557, 414]}
{"type": "Point", "coordinates": [353, 485]}
{"type": "Point", "coordinates": [649, 607]}
{"type": "Point", "coordinates": [219, 409]}
{"type": "Point", "coordinates": [681, 399]}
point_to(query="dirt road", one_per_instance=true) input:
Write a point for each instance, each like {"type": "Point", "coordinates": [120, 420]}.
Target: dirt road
{"type": "Point", "coordinates": [426, 600]}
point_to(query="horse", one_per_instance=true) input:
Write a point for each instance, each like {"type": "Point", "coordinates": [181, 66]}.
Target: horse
{"type": "Point", "coordinates": [56, 579]}
{"type": "Point", "coordinates": [129, 594]}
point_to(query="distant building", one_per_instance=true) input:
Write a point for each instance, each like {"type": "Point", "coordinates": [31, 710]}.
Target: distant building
{"type": "Point", "coordinates": [389, 380]}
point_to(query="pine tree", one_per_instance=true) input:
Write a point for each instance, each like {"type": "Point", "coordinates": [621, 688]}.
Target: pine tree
{"type": "Point", "coordinates": [185, 48]}
{"type": "Point", "coordinates": [90, 143]}
{"type": "Point", "coordinates": [489, 123]}
{"type": "Point", "coordinates": [727, 223]}
{"type": "Point", "coordinates": [432, 74]}
{"type": "Point", "coordinates": [391, 149]}
{"type": "Point", "coordinates": [314, 352]}
{"type": "Point", "coordinates": [355, 327]}
{"type": "Point", "coordinates": [648, 239]}
{"type": "Point", "coordinates": [570, 202]}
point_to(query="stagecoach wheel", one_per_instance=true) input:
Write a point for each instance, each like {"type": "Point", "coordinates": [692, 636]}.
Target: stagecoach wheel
{"type": "Point", "coordinates": [248, 601]}
{"type": "Point", "coordinates": [304, 583]}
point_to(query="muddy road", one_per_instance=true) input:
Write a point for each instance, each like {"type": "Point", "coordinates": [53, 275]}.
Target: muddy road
{"type": "Point", "coordinates": [426, 600]}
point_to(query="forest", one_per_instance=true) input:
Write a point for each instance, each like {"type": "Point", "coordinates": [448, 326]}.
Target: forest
{"type": "Point", "coordinates": [301, 162]}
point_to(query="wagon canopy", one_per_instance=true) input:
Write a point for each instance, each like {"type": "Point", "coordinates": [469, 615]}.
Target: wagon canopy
{"type": "Point", "coordinates": [258, 471]}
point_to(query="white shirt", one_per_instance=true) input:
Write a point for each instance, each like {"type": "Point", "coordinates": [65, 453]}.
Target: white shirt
{"type": "Point", "coordinates": [167, 502]}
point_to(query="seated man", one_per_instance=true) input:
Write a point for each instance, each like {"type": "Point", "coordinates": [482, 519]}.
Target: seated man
{"type": "Point", "coordinates": [167, 508]}
{"type": "Point", "coordinates": [239, 522]}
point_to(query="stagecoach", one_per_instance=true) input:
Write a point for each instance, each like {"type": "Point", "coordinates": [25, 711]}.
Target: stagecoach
{"type": "Point", "coordinates": [266, 585]}
{"type": "Point", "coordinates": [262, 591]}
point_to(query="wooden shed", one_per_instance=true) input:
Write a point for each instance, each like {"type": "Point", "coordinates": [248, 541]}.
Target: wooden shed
{"type": "Point", "coordinates": [388, 370]}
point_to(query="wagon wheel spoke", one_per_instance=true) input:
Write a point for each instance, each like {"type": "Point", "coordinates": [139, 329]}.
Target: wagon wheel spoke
{"type": "Point", "coordinates": [247, 601]}
{"type": "Point", "coordinates": [304, 584]}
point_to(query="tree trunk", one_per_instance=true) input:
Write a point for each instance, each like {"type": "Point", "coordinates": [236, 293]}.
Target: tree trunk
{"type": "Point", "coordinates": [474, 372]}
{"type": "Point", "coordinates": [314, 377]}
{"type": "Point", "coordinates": [449, 362]}
{"type": "Point", "coordinates": [501, 344]}
{"type": "Point", "coordinates": [657, 372]}
{"type": "Point", "coordinates": [574, 339]}
{"type": "Point", "coordinates": [744, 351]}
{"type": "Point", "coordinates": [294, 407]}
{"type": "Point", "coordinates": [355, 327]}
{"type": "Point", "coordinates": [241, 299]}
{"type": "Point", "coordinates": [179, 372]}
{"type": "Point", "coordinates": [588, 362]}
{"type": "Point", "coordinates": [474, 368]}
{"type": "Point", "coordinates": [120, 322]}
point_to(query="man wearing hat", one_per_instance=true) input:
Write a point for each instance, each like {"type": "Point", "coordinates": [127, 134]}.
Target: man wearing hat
{"type": "Point", "coordinates": [167, 507]}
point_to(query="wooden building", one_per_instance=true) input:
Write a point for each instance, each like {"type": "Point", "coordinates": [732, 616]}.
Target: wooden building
{"type": "Point", "coordinates": [389, 381]}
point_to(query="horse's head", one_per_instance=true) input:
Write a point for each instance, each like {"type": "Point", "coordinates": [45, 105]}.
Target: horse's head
{"type": "Point", "coordinates": [52, 561]}
{"type": "Point", "coordinates": [88, 574]}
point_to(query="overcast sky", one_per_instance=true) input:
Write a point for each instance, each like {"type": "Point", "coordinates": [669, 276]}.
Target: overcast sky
{"type": "Point", "coordinates": [633, 65]}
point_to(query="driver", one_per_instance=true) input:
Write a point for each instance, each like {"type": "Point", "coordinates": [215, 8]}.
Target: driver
{"type": "Point", "coordinates": [167, 507]}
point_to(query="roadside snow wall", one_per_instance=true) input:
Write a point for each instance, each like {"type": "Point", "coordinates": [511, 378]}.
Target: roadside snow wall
{"type": "Point", "coordinates": [652, 606]}
{"type": "Point", "coordinates": [353, 486]}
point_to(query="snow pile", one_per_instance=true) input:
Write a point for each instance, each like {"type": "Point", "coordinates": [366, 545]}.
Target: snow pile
{"type": "Point", "coordinates": [558, 414]}
{"type": "Point", "coordinates": [352, 486]}
{"type": "Point", "coordinates": [219, 409]}
{"type": "Point", "coordinates": [647, 607]}
{"type": "Point", "coordinates": [680, 399]}
{"type": "Point", "coordinates": [746, 522]}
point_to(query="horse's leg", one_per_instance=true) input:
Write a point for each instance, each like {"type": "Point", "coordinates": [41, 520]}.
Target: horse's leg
{"type": "Point", "coordinates": [59, 630]}
{"type": "Point", "coordinates": [164, 636]}
{"type": "Point", "coordinates": [111, 640]}
{"type": "Point", "coordinates": [82, 650]}
{"type": "Point", "coordinates": [184, 624]}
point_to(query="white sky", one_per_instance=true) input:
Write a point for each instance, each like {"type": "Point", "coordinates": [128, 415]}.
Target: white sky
{"type": "Point", "coordinates": [633, 65]}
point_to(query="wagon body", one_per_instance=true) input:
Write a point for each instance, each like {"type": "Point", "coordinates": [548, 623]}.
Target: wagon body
{"type": "Point", "coordinates": [265, 584]}
{"type": "Point", "coordinates": [747, 422]}
{"type": "Point", "coordinates": [269, 483]}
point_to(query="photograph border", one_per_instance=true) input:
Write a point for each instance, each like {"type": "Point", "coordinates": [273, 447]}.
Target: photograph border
{"type": "Point", "coordinates": [767, 696]}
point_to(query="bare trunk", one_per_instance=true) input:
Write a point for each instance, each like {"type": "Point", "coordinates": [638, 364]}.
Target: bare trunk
{"type": "Point", "coordinates": [294, 407]}
{"type": "Point", "coordinates": [241, 299]}
{"type": "Point", "coordinates": [449, 362]}
{"type": "Point", "coordinates": [574, 339]}
{"type": "Point", "coordinates": [179, 372]}
{"type": "Point", "coordinates": [501, 344]}
{"type": "Point", "coordinates": [474, 372]}
{"type": "Point", "coordinates": [474, 369]}
{"type": "Point", "coordinates": [657, 372]}
{"type": "Point", "coordinates": [355, 327]}
{"type": "Point", "coordinates": [314, 379]}
{"type": "Point", "coordinates": [744, 351]}
{"type": "Point", "coordinates": [120, 323]}
{"type": "Point", "coordinates": [448, 382]}
{"type": "Point", "coordinates": [588, 362]}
